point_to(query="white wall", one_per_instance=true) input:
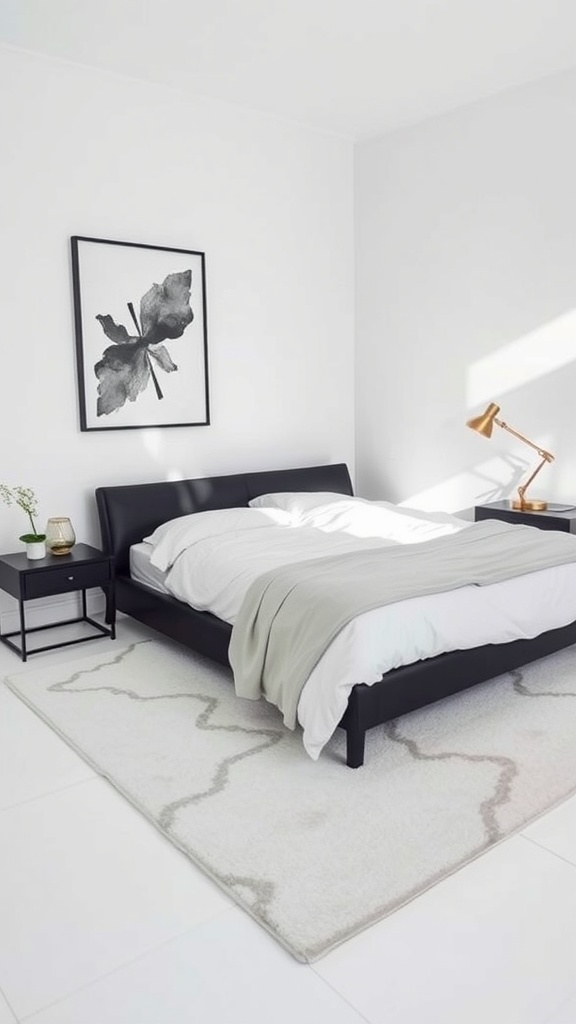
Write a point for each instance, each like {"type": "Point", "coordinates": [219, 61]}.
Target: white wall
{"type": "Point", "coordinates": [466, 292]}
{"type": "Point", "coordinates": [271, 204]}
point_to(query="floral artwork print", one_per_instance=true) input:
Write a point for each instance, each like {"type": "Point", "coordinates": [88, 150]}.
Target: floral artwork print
{"type": "Point", "coordinates": [127, 367]}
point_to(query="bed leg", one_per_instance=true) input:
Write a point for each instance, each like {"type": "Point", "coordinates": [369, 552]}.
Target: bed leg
{"type": "Point", "coordinates": [109, 613]}
{"type": "Point", "coordinates": [355, 739]}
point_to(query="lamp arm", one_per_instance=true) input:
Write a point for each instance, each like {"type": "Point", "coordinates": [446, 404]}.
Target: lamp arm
{"type": "Point", "coordinates": [546, 456]}
{"type": "Point", "coordinates": [524, 487]}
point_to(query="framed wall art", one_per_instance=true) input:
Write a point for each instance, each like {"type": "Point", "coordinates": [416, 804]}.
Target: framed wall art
{"type": "Point", "coordinates": [141, 335]}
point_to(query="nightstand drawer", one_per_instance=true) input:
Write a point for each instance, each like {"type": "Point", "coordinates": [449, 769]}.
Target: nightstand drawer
{"type": "Point", "coordinates": [65, 578]}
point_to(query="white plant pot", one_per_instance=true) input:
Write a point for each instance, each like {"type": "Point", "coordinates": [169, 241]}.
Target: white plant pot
{"type": "Point", "coordinates": [36, 549]}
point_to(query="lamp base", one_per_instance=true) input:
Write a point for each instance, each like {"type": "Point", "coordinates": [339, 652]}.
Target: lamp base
{"type": "Point", "coordinates": [529, 505]}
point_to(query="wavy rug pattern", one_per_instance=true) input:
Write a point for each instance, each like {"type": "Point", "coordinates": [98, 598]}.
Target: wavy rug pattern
{"type": "Point", "coordinates": [314, 851]}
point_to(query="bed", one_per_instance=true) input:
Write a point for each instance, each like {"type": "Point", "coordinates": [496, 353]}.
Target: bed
{"type": "Point", "coordinates": [130, 513]}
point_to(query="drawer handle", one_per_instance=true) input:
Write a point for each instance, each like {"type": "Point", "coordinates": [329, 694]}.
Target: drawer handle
{"type": "Point", "coordinates": [70, 577]}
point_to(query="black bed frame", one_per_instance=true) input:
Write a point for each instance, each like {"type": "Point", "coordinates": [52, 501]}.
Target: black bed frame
{"type": "Point", "coordinates": [129, 513]}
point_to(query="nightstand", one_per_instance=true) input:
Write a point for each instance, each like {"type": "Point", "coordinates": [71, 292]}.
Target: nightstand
{"type": "Point", "coordinates": [555, 517]}
{"type": "Point", "coordinates": [82, 568]}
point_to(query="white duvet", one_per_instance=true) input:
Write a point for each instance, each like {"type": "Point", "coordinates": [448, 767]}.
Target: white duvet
{"type": "Point", "coordinates": [210, 560]}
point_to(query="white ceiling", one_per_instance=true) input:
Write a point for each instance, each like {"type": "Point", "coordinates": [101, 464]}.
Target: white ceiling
{"type": "Point", "coordinates": [355, 67]}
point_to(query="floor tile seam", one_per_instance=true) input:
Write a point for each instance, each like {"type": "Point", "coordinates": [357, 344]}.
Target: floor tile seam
{"type": "Point", "coordinates": [52, 792]}
{"type": "Point", "coordinates": [554, 1013]}
{"type": "Point", "coordinates": [563, 1002]}
{"type": "Point", "coordinates": [340, 995]}
{"type": "Point", "coordinates": [547, 849]}
{"type": "Point", "coordinates": [8, 1004]}
{"type": "Point", "coordinates": [121, 967]}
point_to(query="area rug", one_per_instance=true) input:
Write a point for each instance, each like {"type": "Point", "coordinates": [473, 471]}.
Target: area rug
{"type": "Point", "coordinates": [314, 851]}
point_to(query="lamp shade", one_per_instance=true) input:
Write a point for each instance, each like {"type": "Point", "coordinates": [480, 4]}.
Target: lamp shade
{"type": "Point", "coordinates": [483, 424]}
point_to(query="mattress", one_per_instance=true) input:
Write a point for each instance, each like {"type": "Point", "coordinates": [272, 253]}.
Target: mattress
{"type": "Point", "coordinates": [142, 570]}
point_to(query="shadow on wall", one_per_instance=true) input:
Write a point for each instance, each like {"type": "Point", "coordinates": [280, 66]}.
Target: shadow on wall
{"type": "Point", "coordinates": [488, 481]}
{"type": "Point", "coordinates": [515, 469]}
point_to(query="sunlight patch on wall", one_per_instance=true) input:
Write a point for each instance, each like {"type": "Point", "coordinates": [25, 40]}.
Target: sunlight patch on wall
{"type": "Point", "coordinates": [540, 352]}
{"type": "Point", "coordinates": [153, 443]}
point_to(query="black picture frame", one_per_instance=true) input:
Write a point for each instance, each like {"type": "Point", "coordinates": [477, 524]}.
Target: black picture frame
{"type": "Point", "coordinates": [141, 335]}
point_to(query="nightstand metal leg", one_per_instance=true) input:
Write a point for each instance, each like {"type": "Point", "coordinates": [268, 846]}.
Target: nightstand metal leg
{"type": "Point", "coordinates": [23, 651]}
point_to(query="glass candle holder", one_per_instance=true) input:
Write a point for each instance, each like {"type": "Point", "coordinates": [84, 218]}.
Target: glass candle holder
{"type": "Point", "coordinates": [60, 536]}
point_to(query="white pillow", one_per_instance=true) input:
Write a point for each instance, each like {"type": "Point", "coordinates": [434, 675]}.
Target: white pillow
{"type": "Point", "coordinates": [297, 502]}
{"type": "Point", "coordinates": [172, 538]}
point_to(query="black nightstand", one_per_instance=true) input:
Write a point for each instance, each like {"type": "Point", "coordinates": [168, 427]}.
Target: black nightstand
{"type": "Point", "coordinates": [83, 568]}
{"type": "Point", "coordinates": [555, 517]}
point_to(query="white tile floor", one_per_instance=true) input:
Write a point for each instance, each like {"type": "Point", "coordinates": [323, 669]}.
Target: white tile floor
{"type": "Point", "coordinates": [102, 921]}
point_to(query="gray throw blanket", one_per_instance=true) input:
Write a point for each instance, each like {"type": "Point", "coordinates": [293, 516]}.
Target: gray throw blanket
{"type": "Point", "coordinates": [291, 614]}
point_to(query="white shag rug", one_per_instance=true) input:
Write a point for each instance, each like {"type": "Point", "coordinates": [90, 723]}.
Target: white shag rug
{"type": "Point", "coordinates": [314, 851]}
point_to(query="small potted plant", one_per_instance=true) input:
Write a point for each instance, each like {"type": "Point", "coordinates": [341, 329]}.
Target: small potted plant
{"type": "Point", "coordinates": [25, 498]}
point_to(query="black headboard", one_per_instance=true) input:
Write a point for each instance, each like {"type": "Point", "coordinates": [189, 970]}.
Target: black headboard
{"type": "Point", "coordinates": [129, 513]}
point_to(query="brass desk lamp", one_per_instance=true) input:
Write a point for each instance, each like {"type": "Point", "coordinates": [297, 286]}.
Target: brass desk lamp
{"type": "Point", "coordinates": [483, 425]}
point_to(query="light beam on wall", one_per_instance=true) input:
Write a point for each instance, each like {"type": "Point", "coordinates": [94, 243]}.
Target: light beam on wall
{"type": "Point", "coordinates": [153, 442]}
{"type": "Point", "coordinates": [535, 354]}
